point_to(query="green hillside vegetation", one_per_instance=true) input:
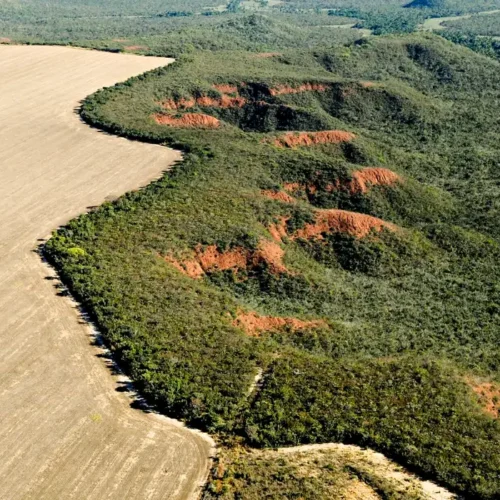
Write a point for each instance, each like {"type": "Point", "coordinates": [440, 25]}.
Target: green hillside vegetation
{"type": "Point", "coordinates": [325, 474]}
{"type": "Point", "coordinates": [155, 34]}
{"type": "Point", "coordinates": [480, 25]}
{"type": "Point", "coordinates": [150, 28]}
{"type": "Point", "coordinates": [483, 45]}
{"type": "Point", "coordinates": [373, 337]}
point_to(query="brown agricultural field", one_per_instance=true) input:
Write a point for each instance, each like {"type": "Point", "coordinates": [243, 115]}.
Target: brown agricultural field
{"type": "Point", "coordinates": [67, 430]}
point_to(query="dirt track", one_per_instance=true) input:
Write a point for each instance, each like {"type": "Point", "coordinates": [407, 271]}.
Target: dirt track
{"type": "Point", "coordinates": [65, 430]}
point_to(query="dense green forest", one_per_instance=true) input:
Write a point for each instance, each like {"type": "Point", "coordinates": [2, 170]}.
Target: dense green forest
{"type": "Point", "coordinates": [355, 265]}
{"type": "Point", "coordinates": [173, 28]}
{"type": "Point", "coordinates": [480, 25]}
{"type": "Point", "coordinates": [483, 45]}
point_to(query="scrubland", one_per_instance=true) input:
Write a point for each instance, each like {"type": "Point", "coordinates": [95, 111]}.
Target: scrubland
{"type": "Point", "coordinates": [336, 231]}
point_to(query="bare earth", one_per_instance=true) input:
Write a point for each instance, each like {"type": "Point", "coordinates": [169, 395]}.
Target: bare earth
{"type": "Point", "coordinates": [65, 430]}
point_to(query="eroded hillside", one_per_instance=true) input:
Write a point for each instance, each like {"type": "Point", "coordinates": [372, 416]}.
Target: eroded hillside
{"type": "Point", "coordinates": [333, 227]}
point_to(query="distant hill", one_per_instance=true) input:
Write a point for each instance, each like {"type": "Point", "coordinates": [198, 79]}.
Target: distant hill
{"type": "Point", "coordinates": [427, 4]}
{"type": "Point", "coordinates": [453, 7]}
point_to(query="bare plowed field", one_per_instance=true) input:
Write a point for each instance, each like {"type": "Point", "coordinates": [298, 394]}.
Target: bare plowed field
{"type": "Point", "coordinates": [67, 430]}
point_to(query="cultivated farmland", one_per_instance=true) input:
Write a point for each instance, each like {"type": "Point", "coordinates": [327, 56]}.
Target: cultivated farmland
{"type": "Point", "coordinates": [67, 429]}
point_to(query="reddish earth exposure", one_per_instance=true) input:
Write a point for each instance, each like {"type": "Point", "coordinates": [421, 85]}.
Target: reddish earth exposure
{"type": "Point", "coordinates": [353, 223]}
{"type": "Point", "coordinates": [293, 186]}
{"type": "Point", "coordinates": [170, 104]}
{"type": "Point", "coordinates": [223, 102]}
{"type": "Point", "coordinates": [190, 268]}
{"type": "Point", "coordinates": [5, 40]}
{"type": "Point", "coordinates": [292, 139]}
{"type": "Point", "coordinates": [211, 259]}
{"type": "Point", "coordinates": [361, 182]}
{"type": "Point", "coordinates": [272, 254]}
{"type": "Point", "coordinates": [489, 395]}
{"type": "Point", "coordinates": [278, 196]}
{"type": "Point", "coordinates": [226, 88]}
{"type": "Point", "coordinates": [253, 324]}
{"type": "Point", "coordinates": [372, 176]}
{"type": "Point", "coordinates": [278, 230]}
{"type": "Point", "coordinates": [306, 87]}
{"type": "Point", "coordinates": [188, 120]}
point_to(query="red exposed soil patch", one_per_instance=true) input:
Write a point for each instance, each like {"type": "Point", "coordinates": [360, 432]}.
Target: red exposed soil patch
{"type": "Point", "coordinates": [366, 85]}
{"type": "Point", "coordinates": [188, 120]}
{"type": "Point", "coordinates": [293, 186]}
{"type": "Point", "coordinates": [292, 139]}
{"type": "Point", "coordinates": [253, 324]}
{"type": "Point", "coordinates": [136, 47]}
{"type": "Point", "coordinates": [226, 88]}
{"type": "Point", "coordinates": [306, 87]}
{"type": "Point", "coordinates": [489, 395]}
{"type": "Point", "coordinates": [272, 254]}
{"type": "Point", "coordinates": [180, 104]}
{"type": "Point", "coordinates": [190, 268]}
{"type": "Point", "coordinates": [353, 223]}
{"type": "Point", "coordinates": [223, 102]}
{"type": "Point", "coordinates": [278, 195]}
{"type": "Point", "coordinates": [211, 259]}
{"type": "Point", "coordinates": [361, 182]}
{"type": "Point", "coordinates": [5, 40]}
{"type": "Point", "coordinates": [278, 230]}
{"type": "Point", "coordinates": [372, 176]}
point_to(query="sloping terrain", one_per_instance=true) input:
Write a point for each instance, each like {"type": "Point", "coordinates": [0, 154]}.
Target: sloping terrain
{"type": "Point", "coordinates": [66, 426]}
{"type": "Point", "coordinates": [336, 232]}
{"type": "Point", "coordinates": [315, 472]}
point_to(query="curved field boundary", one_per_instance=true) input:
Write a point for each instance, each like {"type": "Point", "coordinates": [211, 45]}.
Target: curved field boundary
{"type": "Point", "coordinates": [67, 429]}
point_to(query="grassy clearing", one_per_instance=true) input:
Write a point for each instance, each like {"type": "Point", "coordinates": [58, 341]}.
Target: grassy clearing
{"type": "Point", "coordinates": [330, 473]}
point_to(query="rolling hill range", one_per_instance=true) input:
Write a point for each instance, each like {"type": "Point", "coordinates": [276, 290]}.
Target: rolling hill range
{"type": "Point", "coordinates": [323, 264]}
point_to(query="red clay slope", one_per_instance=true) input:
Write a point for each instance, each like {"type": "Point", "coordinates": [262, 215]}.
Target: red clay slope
{"type": "Point", "coordinates": [295, 139]}
{"type": "Point", "coordinates": [372, 176]}
{"type": "Point", "coordinates": [211, 259]}
{"type": "Point", "coordinates": [188, 120]}
{"type": "Point", "coordinates": [306, 87]}
{"type": "Point", "coordinates": [253, 324]}
{"type": "Point", "coordinates": [343, 221]}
